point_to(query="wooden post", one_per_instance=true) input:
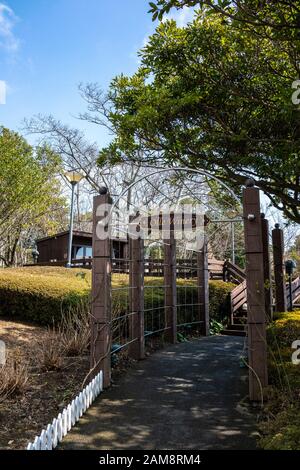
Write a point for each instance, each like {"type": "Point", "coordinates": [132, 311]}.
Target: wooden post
{"type": "Point", "coordinates": [136, 295]}
{"type": "Point", "coordinates": [267, 267]}
{"type": "Point", "coordinates": [280, 284]}
{"type": "Point", "coordinates": [170, 288]}
{"type": "Point", "coordinates": [257, 345]}
{"type": "Point", "coordinates": [101, 292]}
{"type": "Point", "coordinates": [225, 272]}
{"type": "Point", "coordinates": [203, 289]}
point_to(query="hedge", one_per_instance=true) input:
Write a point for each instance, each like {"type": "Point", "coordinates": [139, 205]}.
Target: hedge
{"type": "Point", "coordinates": [281, 429]}
{"type": "Point", "coordinates": [40, 295]}
{"type": "Point", "coordinates": [43, 294]}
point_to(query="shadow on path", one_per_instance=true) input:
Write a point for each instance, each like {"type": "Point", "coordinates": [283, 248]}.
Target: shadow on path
{"type": "Point", "coordinates": [187, 396]}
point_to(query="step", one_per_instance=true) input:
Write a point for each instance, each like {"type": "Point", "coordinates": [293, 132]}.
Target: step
{"type": "Point", "coordinates": [240, 320]}
{"type": "Point", "coordinates": [233, 333]}
{"type": "Point", "coordinates": [237, 326]}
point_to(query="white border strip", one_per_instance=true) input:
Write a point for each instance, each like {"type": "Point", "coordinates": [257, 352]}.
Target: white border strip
{"type": "Point", "coordinates": [55, 432]}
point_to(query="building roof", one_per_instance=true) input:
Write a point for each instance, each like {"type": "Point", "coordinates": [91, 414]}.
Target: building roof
{"type": "Point", "coordinates": [62, 234]}
{"type": "Point", "coordinates": [76, 233]}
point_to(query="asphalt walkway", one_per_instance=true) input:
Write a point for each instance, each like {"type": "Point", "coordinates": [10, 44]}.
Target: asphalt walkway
{"type": "Point", "coordinates": [187, 396]}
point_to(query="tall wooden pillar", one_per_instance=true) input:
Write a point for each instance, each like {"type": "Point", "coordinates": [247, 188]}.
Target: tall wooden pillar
{"type": "Point", "coordinates": [101, 291]}
{"type": "Point", "coordinates": [267, 267]}
{"type": "Point", "coordinates": [257, 318]}
{"type": "Point", "coordinates": [170, 287]}
{"type": "Point", "coordinates": [136, 295]}
{"type": "Point", "coordinates": [280, 284]}
{"type": "Point", "coordinates": [203, 289]}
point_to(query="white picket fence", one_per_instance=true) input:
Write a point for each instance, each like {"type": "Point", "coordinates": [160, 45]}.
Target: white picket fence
{"type": "Point", "coordinates": [55, 432]}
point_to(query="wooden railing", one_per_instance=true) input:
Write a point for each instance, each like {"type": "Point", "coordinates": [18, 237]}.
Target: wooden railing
{"type": "Point", "coordinates": [185, 267]}
{"type": "Point", "coordinates": [216, 268]}
{"type": "Point", "coordinates": [295, 291]}
{"type": "Point", "coordinates": [83, 262]}
{"type": "Point", "coordinates": [224, 270]}
{"type": "Point", "coordinates": [233, 273]}
{"type": "Point", "coordinates": [238, 297]}
{"type": "Point", "coordinates": [153, 267]}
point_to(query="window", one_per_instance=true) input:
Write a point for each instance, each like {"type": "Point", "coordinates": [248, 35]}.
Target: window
{"type": "Point", "coordinates": [80, 252]}
{"type": "Point", "coordinates": [88, 252]}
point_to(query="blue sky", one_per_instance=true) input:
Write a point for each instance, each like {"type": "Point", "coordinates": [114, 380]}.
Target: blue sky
{"type": "Point", "coordinates": [47, 47]}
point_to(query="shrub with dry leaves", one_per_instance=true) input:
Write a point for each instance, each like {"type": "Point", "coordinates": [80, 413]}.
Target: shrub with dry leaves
{"type": "Point", "coordinates": [75, 330]}
{"type": "Point", "coordinates": [13, 377]}
{"type": "Point", "coordinates": [50, 351]}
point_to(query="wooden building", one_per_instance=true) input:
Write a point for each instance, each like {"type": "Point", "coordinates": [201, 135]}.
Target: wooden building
{"type": "Point", "coordinates": [55, 249]}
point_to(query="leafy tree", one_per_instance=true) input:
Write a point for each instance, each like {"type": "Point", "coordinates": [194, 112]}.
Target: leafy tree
{"type": "Point", "coordinates": [216, 97]}
{"type": "Point", "coordinates": [294, 253]}
{"type": "Point", "coordinates": [30, 200]}
{"type": "Point", "coordinates": [279, 19]}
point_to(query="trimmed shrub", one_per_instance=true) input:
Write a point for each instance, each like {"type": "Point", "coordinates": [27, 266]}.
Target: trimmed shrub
{"type": "Point", "coordinates": [219, 306]}
{"type": "Point", "coordinates": [285, 329]}
{"type": "Point", "coordinates": [280, 336]}
{"type": "Point", "coordinates": [41, 295]}
{"type": "Point", "coordinates": [281, 430]}
{"type": "Point", "coordinates": [46, 294]}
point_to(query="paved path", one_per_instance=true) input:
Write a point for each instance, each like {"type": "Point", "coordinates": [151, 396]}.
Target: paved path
{"type": "Point", "coordinates": [187, 396]}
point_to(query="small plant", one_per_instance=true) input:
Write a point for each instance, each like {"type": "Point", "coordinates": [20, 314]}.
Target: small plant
{"type": "Point", "coordinates": [82, 275]}
{"type": "Point", "coordinates": [115, 359]}
{"type": "Point", "coordinates": [75, 330]}
{"type": "Point", "coordinates": [181, 338]}
{"type": "Point", "coordinates": [50, 351]}
{"type": "Point", "coordinates": [215, 327]}
{"type": "Point", "coordinates": [13, 378]}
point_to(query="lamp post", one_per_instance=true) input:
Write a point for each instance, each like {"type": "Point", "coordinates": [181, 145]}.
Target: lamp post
{"type": "Point", "coordinates": [290, 265]}
{"type": "Point", "coordinates": [35, 255]}
{"type": "Point", "coordinates": [232, 243]}
{"type": "Point", "coordinates": [74, 177]}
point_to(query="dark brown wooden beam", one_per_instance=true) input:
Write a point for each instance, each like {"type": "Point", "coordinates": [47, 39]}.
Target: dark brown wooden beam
{"type": "Point", "coordinates": [170, 288]}
{"type": "Point", "coordinates": [267, 267]}
{"type": "Point", "coordinates": [136, 294]}
{"type": "Point", "coordinates": [279, 273]}
{"type": "Point", "coordinates": [101, 294]}
{"type": "Point", "coordinates": [203, 289]}
{"type": "Point", "coordinates": [257, 318]}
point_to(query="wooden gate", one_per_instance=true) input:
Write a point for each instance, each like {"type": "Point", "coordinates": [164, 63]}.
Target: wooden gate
{"type": "Point", "coordinates": [130, 328]}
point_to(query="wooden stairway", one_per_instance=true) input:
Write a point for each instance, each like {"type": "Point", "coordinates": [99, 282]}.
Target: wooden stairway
{"type": "Point", "coordinates": [237, 329]}
{"type": "Point", "coordinates": [238, 298]}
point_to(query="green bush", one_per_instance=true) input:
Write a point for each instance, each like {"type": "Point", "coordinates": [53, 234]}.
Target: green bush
{"type": "Point", "coordinates": [219, 306]}
{"type": "Point", "coordinates": [283, 432]}
{"type": "Point", "coordinates": [285, 329]}
{"type": "Point", "coordinates": [281, 429]}
{"type": "Point", "coordinates": [43, 294]}
{"type": "Point", "coordinates": [187, 310]}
